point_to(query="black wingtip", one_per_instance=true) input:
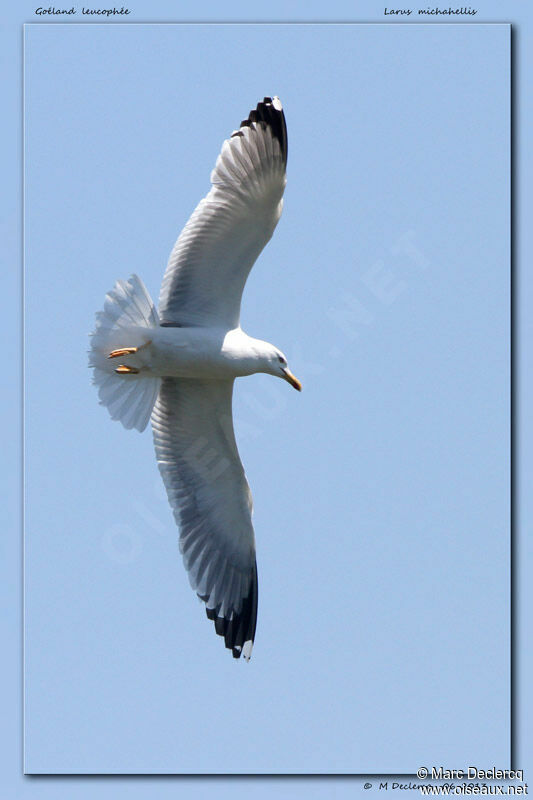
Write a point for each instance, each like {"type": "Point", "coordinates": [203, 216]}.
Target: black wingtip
{"type": "Point", "coordinates": [270, 111]}
{"type": "Point", "coordinates": [240, 630]}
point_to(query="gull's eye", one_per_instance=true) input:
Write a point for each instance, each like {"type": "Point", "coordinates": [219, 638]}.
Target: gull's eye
{"type": "Point", "coordinates": [281, 360]}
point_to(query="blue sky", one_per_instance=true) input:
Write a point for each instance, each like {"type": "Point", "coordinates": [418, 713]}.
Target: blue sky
{"type": "Point", "coordinates": [381, 493]}
{"type": "Point", "coordinates": [451, 722]}
{"type": "Point", "coordinates": [13, 784]}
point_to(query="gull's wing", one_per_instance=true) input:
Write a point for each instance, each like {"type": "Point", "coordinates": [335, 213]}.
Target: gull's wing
{"type": "Point", "coordinates": [207, 489]}
{"type": "Point", "coordinates": [216, 250]}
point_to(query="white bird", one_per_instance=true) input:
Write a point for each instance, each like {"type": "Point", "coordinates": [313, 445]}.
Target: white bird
{"type": "Point", "coordinates": [177, 367]}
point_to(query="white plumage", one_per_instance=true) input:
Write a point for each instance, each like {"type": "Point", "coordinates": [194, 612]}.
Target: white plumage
{"type": "Point", "coordinates": [178, 367]}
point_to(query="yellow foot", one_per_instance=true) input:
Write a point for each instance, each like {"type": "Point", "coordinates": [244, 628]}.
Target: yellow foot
{"type": "Point", "coordinates": [128, 351]}
{"type": "Point", "coordinates": [124, 351]}
{"type": "Point", "coordinates": [123, 370]}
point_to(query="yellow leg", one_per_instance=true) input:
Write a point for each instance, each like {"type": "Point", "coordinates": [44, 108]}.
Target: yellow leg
{"type": "Point", "coordinates": [124, 370]}
{"type": "Point", "coordinates": [128, 351]}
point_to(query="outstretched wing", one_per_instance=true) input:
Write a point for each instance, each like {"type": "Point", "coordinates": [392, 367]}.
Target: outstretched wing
{"type": "Point", "coordinates": [207, 489]}
{"type": "Point", "coordinates": [216, 250]}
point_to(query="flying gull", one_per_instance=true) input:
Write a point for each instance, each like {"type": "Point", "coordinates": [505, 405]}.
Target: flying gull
{"type": "Point", "coordinates": [176, 367]}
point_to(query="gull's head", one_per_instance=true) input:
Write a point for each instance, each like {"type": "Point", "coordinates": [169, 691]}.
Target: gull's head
{"type": "Point", "coordinates": [277, 365]}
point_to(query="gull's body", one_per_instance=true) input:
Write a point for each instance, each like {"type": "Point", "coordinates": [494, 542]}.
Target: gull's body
{"type": "Point", "coordinates": [195, 352]}
{"type": "Point", "coordinates": [176, 366]}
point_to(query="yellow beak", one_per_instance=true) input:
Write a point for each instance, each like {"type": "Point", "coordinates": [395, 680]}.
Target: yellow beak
{"type": "Point", "coordinates": [292, 379]}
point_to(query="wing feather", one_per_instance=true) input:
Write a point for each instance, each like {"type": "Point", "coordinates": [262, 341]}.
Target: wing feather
{"type": "Point", "coordinates": [218, 246]}
{"type": "Point", "coordinates": [211, 500]}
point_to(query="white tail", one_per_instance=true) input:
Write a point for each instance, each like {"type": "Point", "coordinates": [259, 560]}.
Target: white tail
{"type": "Point", "coordinates": [128, 313]}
